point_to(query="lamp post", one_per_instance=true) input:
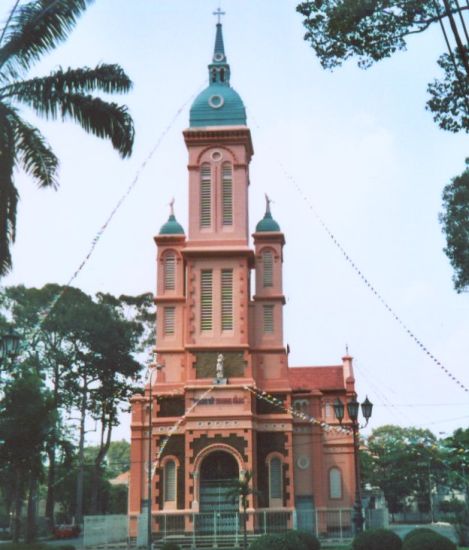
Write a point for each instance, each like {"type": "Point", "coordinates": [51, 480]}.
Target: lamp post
{"type": "Point", "coordinates": [9, 345]}
{"type": "Point", "coordinates": [352, 410]}
{"type": "Point", "coordinates": [154, 368]}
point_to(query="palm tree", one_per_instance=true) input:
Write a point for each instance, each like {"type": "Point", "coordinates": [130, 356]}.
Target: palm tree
{"type": "Point", "coordinates": [33, 28]}
{"type": "Point", "coordinates": [240, 491]}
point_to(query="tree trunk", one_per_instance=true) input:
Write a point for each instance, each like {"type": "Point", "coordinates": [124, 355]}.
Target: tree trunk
{"type": "Point", "coordinates": [81, 447]}
{"type": "Point", "coordinates": [106, 432]}
{"type": "Point", "coordinates": [31, 518]}
{"type": "Point", "coordinates": [461, 48]}
{"type": "Point", "coordinates": [17, 505]}
{"type": "Point", "coordinates": [50, 499]}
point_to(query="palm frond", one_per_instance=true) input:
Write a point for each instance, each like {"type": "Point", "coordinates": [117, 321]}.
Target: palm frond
{"type": "Point", "coordinates": [96, 116]}
{"type": "Point", "coordinates": [36, 28]}
{"type": "Point", "coordinates": [34, 153]}
{"type": "Point", "coordinates": [104, 77]}
{"type": "Point", "coordinates": [8, 192]}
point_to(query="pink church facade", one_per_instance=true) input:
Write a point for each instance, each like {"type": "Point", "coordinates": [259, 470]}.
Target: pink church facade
{"type": "Point", "coordinates": [225, 399]}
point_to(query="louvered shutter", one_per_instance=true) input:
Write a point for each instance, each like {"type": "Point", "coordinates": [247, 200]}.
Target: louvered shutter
{"type": "Point", "coordinates": [205, 196]}
{"type": "Point", "coordinates": [227, 195]}
{"type": "Point", "coordinates": [227, 299]}
{"type": "Point", "coordinates": [206, 300]}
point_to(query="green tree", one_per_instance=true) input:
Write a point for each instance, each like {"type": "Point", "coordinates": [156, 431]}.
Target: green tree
{"type": "Point", "coordinates": [26, 418]}
{"type": "Point", "coordinates": [372, 30]}
{"type": "Point", "coordinates": [455, 222]}
{"type": "Point", "coordinates": [402, 462]}
{"type": "Point", "coordinates": [32, 29]}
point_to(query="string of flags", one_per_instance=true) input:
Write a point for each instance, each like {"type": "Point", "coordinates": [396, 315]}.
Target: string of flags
{"type": "Point", "coordinates": [268, 398]}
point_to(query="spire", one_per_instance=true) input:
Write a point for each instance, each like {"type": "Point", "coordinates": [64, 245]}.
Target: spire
{"type": "Point", "coordinates": [219, 70]}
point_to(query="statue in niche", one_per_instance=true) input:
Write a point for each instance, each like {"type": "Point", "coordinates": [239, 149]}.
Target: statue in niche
{"type": "Point", "coordinates": [220, 369]}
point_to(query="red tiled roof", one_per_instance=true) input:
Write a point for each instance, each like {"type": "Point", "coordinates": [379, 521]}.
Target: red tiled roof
{"type": "Point", "coordinates": [317, 378]}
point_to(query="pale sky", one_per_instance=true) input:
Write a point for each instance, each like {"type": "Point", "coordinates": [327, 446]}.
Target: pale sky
{"type": "Point", "coordinates": [358, 143]}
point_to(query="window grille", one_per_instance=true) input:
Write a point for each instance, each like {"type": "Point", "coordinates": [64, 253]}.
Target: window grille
{"type": "Point", "coordinates": [206, 300]}
{"type": "Point", "coordinates": [227, 299]}
{"type": "Point", "coordinates": [268, 272]}
{"type": "Point", "coordinates": [227, 195]}
{"type": "Point", "coordinates": [269, 319]}
{"type": "Point", "coordinates": [169, 319]}
{"type": "Point", "coordinates": [275, 478]}
{"type": "Point", "coordinates": [170, 271]}
{"type": "Point", "coordinates": [170, 481]}
{"type": "Point", "coordinates": [205, 196]}
{"type": "Point", "coordinates": [335, 483]}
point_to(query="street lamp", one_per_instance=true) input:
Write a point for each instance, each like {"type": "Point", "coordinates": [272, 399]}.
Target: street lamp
{"type": "Point", "coordinates": [9, 344]}
{"type": "Point", "coordinates": [352, 410]}
{"type": "Point", "coordinates": [154, 368]}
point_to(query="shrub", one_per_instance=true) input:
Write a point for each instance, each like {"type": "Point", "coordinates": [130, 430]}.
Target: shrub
{"type": "Point", "coordinates": [170, 546]}
{"type": "Point", "coordinates": [66, 547]}
{"type": "Point", "coordinates": [377, 539]}
{"type": "Point", "coordinates": [418, 531]}
{"type": "Point", "coordinates": [428, 541]}
{"type": "Point", "coordinates": [309, 540]}
{"type": "Point", "coordinates": [269, 542]}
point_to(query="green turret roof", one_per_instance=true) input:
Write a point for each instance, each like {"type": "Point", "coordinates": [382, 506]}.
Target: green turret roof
{"type": "Point", "coordinates": [267, 223]}
{"type": "Point", "coordinates": [172, 227]}
{"type": "Point", "coordinates": [218, 104]}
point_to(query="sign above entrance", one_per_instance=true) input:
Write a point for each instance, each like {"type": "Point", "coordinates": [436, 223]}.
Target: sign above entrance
{"type": "Point", "coordinates": [219, 401]}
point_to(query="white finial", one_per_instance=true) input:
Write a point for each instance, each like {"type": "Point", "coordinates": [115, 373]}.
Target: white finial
{"type": "Point", "coordinates": [171, 207]}
{"type": "Point", "coordinates": [219, 13]}
{"type": "Point", "coordinates": [267, 203]}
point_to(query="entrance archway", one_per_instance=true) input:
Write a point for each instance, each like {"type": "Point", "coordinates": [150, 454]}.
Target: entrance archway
{"type": "Point", "coordinates": [218, 471]}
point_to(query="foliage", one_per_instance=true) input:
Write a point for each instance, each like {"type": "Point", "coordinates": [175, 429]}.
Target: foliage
{"type": "Point", "coordinates": [33, 29]}
{"type": "Point", "coordinates": [417, 532]}
{"type": "Point", "coordinates": [309, 540]}
{"type": "Point", "coordinates": [170, 546]}
{"type": "Point", "coordinates": [416, 453]}
{"type": "Point", "coordinates": [428, 541]}
{"type": "Point", "coordinates": [374, 30]}
{"type": "Point", "coordinates": [455, 222]}
{"type": "Point", "coordinates": [240, 492]}
{"type": "Point", "coordinates": [286, 541]}
{"type": "Point", "coordinates": [377, 539]}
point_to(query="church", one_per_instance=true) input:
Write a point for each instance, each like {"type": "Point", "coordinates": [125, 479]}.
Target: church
{"type": "Point", "coordinates": [221, 399]}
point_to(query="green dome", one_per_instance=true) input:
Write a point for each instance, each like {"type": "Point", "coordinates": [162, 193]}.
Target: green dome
{"type": "Point", "coordinates": [267, 224]}
{"type": "Point", "coordinates": [172, 227]}
{"type": "Point", "coordinates": [218, 105]}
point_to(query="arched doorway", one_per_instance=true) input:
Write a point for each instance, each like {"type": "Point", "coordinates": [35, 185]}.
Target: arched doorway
{"type": "Point", "coordinates": [218, 471]}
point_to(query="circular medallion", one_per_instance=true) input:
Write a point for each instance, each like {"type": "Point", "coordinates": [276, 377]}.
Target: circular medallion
{"type": "Point", "coordinates": [218, 57]}
{"type": "Point", "coordinates": [302, 462]}
{"type": "Point", "coordinates": [216, 101]}
{"type": "Point", "coordinates": [216, 155]}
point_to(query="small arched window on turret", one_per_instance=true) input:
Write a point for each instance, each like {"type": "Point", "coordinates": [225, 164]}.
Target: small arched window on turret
{"type": "Point", "coordinates": [227, 194]}
{"type": "Point", "coordinates": [170, 271]}
{"type": "Point", "coordinates": [268, 268]}
{"type": "Point", "coordinates": [205, 196]}
{"type": "Point", "coordinates": [214, 75]}
{"type": "Point", "coordinates": [222, 75]}
{"type": "Point", "coordinates": [169, 484]}
{"type": "Point", "coordinates": [335, 483]}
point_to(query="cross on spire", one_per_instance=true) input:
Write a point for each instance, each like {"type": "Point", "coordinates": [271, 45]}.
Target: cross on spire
{"type": "Point", "coordinates": [219, 13]}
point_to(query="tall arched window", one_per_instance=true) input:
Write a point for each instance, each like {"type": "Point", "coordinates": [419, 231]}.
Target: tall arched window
{"type": "Point", "coordinates": [268, 268]}
{"type": "Point", "coordinates": [169, 483]}
{"type": "Point", "coordinates": [227, 194]}
{"type": "Point", "coordinates": [275, 479]}
{"type": "Point", "coordinates": [335, 483]}
{"type": "Point", "coordinates": [205, 196]}
{"type": "Point", "coordinates": [170, 271]}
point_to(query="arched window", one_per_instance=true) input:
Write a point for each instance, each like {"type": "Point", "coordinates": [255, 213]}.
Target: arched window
{"type": "Point", "coordinates": [169, 483]}
{"type": "Point", "coordinates": [227, 194]}
{"type": "Point", "coordinates": [268, 321]}
{"type": "Point", "coordinates": [227, 299]}
{"type": "Point", "coordinates": [222, 75]}
{"type": "Point", "coordinates": [206, 309]}
{"type": "Point", "coordinates": [335, 483]}
{"type": "Point", "coordinates": [214, 75]}
{"type": "Point", "coordinates": [268, 268]}
{"type": "Point", "coordinates": [275, 479]}
{"type": "Point", "coordinates": [205, 196]}
{"type": "Point", "coordinates": [170, 271]}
